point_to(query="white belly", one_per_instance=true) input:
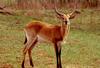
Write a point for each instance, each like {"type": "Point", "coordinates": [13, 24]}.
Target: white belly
{"type": "Point", "coordinates": [42, 39]}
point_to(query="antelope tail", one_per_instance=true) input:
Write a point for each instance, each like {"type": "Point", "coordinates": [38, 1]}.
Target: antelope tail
{"type": "Point", "coordinates": [25, 40]}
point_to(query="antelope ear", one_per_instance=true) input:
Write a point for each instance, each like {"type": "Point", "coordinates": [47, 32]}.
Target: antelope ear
{"type": "Point", "coordinates": [73, 14]}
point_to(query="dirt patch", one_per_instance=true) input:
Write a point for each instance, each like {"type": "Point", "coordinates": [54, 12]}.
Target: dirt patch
{"type": "Point", "coordinates": [96, 62]}
{"type": "Point", "coordinates": [5, 65]}
{"type": "Point", "coordinates": [2, 50]}
{"type": "Point", "coordinates": [41, 53]}
{"type": "Point", "coordinates": [78, 66]}
{"type": "Point", "coordinates": [75, 42]}
{"type": "Point", "coordinates": [52, 66]}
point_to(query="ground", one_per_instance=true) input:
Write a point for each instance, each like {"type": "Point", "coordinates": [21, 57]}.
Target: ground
{"type": "Point", "coordinates": [81, 50]}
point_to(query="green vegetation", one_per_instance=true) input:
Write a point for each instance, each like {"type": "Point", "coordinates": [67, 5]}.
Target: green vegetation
{"type": "Point", "coordinates": [81, 50]}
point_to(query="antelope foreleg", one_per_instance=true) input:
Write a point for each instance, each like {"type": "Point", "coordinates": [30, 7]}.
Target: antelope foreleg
{"type": "Point", "coordinates": [58, 55]}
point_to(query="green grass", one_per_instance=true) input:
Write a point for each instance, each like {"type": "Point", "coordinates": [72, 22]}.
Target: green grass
{"type": "Point", "coordinates": [81, 50]}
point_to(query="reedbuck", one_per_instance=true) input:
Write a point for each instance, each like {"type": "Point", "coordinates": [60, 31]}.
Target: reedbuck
{"type": "Point", "coordinates": [40, 32]}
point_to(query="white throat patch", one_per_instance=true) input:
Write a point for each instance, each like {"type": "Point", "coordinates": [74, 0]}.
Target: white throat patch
{"type": "Point", "coordinates": [68, 22]}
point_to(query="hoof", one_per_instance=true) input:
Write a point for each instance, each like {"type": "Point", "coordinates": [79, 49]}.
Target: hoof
{"type": "Point", "coordinates": [23, 64]}
{"type": "Point", "coordinates": [31, 63]}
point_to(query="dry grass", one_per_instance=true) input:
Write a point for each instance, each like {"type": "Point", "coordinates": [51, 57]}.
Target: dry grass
{"type": "Point", "coordinates": [81, 50]}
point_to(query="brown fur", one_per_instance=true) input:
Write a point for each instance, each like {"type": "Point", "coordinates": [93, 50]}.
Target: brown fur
{"type": "Point", "coordinates": [37, 31]}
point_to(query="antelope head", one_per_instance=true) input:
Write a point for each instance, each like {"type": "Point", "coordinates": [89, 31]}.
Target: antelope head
{"type": "Point", "coordinates": [66, 17]}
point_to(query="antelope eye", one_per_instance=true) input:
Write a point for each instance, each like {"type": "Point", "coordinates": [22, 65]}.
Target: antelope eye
{"type": "Point", "coordinates": [63, 18]}
{"type": "Point", "coordinates": [66, 22]}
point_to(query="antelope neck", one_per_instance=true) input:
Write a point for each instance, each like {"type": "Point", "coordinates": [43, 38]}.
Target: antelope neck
{"type": "Point", "coordinates": [65, 29]}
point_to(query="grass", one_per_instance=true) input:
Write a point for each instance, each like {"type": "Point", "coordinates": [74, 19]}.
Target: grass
{"type": "Point", "coordinates": [81, 50]}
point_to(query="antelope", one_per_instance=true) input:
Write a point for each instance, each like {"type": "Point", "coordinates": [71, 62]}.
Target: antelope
{"type": "Point", "coordinates": [39, 32]}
